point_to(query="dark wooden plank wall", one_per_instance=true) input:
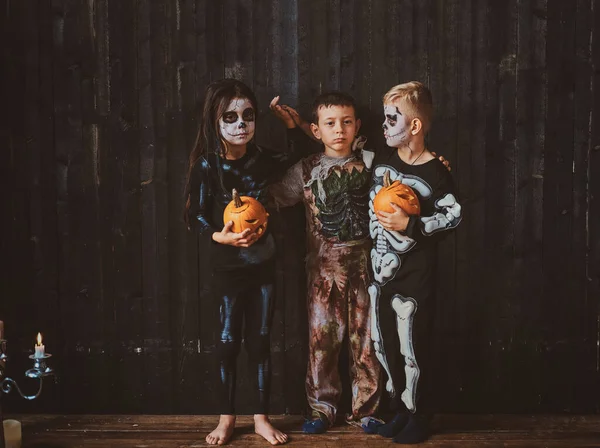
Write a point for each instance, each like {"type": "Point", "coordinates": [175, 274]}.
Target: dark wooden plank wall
{"type": "Point", "coordinates": [99, 102]}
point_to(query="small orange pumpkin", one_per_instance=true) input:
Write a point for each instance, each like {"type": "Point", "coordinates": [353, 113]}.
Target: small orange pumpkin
{"type": "Point", "coordinates": [398, 193]}
{"type": "Point", "coordinates": [246, 213]}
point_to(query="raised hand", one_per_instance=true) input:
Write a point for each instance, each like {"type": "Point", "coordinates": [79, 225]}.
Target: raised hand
{"type": "Point", "coordinates": [285, 113]}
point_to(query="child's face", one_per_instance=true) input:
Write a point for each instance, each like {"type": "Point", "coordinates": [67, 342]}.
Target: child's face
{"type": "Point", "coordinates": [396, 129]}
{"type": "Point", "coordinates": [337, 127]}
{"type": "Point", "coordinates": [237, 124]}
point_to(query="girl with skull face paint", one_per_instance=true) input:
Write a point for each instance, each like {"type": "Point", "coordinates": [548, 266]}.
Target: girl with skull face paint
{"type": "Point", "coordinates": [225, 157]}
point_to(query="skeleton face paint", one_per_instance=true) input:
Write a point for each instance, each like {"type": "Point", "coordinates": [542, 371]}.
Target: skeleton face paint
{"type": "Point", "coordinates": [395, 127]}
{"type": "Point", "coordinates": [237, 123]}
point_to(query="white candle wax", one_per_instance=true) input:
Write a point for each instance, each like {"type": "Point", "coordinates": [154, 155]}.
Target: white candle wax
{"type": "Point", "coordinates": [39, 351]}
{"type": "Point", "coordinates": [12, 433]}
{"type": "Point", "coordinates": [39, 347]}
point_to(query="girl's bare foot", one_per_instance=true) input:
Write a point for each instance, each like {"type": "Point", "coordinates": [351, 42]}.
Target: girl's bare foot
{"type": "Point", "coordinates": [222, 433]}
{"type": "Point", "coordinates": [263, 427]}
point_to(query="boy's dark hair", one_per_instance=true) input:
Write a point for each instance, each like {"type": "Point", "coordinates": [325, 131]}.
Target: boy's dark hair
{"type": "Point", "coordinates": [333, 98]}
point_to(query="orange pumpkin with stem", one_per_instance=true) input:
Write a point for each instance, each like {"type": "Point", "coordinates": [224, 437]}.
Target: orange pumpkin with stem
{"type": "Point", "coordinates": [396, 193]}
{"type": "Point", "coordinates": [246, 213]}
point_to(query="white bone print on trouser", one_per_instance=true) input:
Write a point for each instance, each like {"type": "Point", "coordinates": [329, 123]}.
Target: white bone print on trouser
{"type": "Point", "coordinates": [375, 294]}
{"type": "Point", "coordinates": [405, 309]}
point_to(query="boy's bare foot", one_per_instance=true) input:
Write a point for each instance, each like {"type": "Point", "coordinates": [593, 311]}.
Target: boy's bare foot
{"type": "Point", "coordinates": [222, 433]}
{"type": "Point", "coordinates": [263, 427]}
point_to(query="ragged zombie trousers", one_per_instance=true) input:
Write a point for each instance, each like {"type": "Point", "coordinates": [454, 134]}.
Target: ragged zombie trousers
{"type": "Point", "coordinates": [245, 299]}
{"type": "Point", "coordinates": [403, 313]}
{"type": "Point", "coordinates": [338, 307]}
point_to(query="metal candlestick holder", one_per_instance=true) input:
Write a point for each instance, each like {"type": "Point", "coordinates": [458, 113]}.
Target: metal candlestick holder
{"type": "Point", "coordinates": [39, 371]}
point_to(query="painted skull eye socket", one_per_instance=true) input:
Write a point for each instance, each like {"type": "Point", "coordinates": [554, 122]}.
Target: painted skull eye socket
{"type": "Point", "coordinates": [230, 117]}
{"type": "Point", "coordinates": [248, 114]}
{"type": "Point", "coordinates": [392, 120]}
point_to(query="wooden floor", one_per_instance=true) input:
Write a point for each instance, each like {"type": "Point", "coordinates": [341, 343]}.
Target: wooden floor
{"type": "Point", "coordinates": [146, 431]}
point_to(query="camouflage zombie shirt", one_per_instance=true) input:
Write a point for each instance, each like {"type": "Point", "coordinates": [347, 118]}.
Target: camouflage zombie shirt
{"type": "Point", "coordinates": [335, 192]}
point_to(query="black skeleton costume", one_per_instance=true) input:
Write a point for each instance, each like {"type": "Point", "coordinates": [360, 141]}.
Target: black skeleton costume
{"type": "Point", "coordinates": [403, 266]}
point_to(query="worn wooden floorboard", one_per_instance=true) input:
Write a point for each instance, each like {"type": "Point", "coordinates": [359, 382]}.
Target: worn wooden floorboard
{"type": "Point", "coordinates": [173, 431]}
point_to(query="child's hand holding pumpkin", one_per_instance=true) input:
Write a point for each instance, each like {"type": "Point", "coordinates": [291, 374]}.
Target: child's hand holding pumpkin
{"type": "Point", "coordinates": [243, 239]}
{"type": "Point", "coordinates": [398, 220]}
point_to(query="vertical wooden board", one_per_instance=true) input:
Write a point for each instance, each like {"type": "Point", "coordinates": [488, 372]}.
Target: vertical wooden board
{"type": "Point", "coordinates": [201, 68]}
{"type": "Point", "coordinates": [217, 32]}
{"type": "Point", "coordinates": [399, 52]}
{"type": "Point", "coordinates": [472, 184]}
{"type": "Point", "coordinates": [289, 22]}
{"type": "Point", "coordinates": [593, 228]}
{"type": "Point", "coordinates": [267, 35]}
{"type": "Point", "coordinates": [509, 337]}
{"type": "Point", "coordinates": [494, 225]}
{"type": "Point", "coordinates": [443, 83]}
{"type": "Point", "coordinates": [123, 318]}
{"type": "Point", "coordinates": [107, 166]}
{"type": "Point", "coordinates": [17, 160]}
{"type": "Point", "coordinates": [305, 59]}
{"type": "Point", "coordinates": [183, 252]}
{"type": "Point", "coordinates": [466, 293]}
{"type": "Point", "coordinates": [438, 139]}
{"type": "Point", "coordinates": [530, 89]}
{"type": "Point", "coordinates": [362, 25]}
{"type": "Point", "coordinates": [148, 169]}
{"type": "Point", "coordinates": [5, 137]}
{"type": "Point", "coordinates": [237, 39]}
{"type": "Point", "coordinates": [535, 276]}
{"type": "Point", "coordinates": [155, 208]}
{"type": "Point", "coordinates": [47, 278]}
{"type": "Point", "coordinates": [347, 47]}
{"type": "Point", "coordinates": [561, 318]}
{"type": "Point", "coordinates": [80, 264]}
{"type": "Point", "coordinates": [319, 64]}
{"type": "Point", "coordinates": [332, 44]}
{"type": "Point", "coordinates": [211, 32]}
{"type": "Point", "coordinates": [209, 67]}
{"type": "Point", "coordinates": [421, 35]}
{"type": "Point", "coordinates": [372, 115]}
{"type": "Point", "coordinates": [585, 329]}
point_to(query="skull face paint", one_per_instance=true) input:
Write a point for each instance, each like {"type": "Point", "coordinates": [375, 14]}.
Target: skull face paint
{"type": "Point", "coordinates": [237, 123]}
{"type": "Point", "coordinates": [395, 127]}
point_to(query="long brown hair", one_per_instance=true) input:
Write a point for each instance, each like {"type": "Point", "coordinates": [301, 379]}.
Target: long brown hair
{"type": "Point", "coordinates": [209, 140]}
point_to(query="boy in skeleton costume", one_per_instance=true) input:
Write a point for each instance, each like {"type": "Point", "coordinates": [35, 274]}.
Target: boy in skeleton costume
{"type": "Point", "coordinates": [403, 258]}
{"type": "Point", "coordinates": [334, 186]}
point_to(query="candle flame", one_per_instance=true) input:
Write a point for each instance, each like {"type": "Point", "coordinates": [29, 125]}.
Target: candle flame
{"type": "Point", "coordinates": [39, 339]}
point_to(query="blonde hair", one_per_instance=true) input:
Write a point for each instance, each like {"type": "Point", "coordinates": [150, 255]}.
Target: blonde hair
{"type": "Point", "coordinates": [417, 98]}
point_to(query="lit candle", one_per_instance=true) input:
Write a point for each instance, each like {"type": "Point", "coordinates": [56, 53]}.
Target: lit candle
{"type": "Point", "coordinates": [39, 348]}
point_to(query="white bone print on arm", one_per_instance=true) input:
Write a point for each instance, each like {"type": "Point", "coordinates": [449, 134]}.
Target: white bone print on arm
{"type": "Point", "coordinates": [448, 216]}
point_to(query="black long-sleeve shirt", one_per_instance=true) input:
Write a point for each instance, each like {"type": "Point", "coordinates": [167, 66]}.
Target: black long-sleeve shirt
{"type": "Point", "coordinates": [424, 229]}
{"type": "Point", "coordinates": [250, 175]}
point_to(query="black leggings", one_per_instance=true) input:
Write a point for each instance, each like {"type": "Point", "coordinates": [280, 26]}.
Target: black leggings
{"type": "Point", "coordinates": [244, 298]}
